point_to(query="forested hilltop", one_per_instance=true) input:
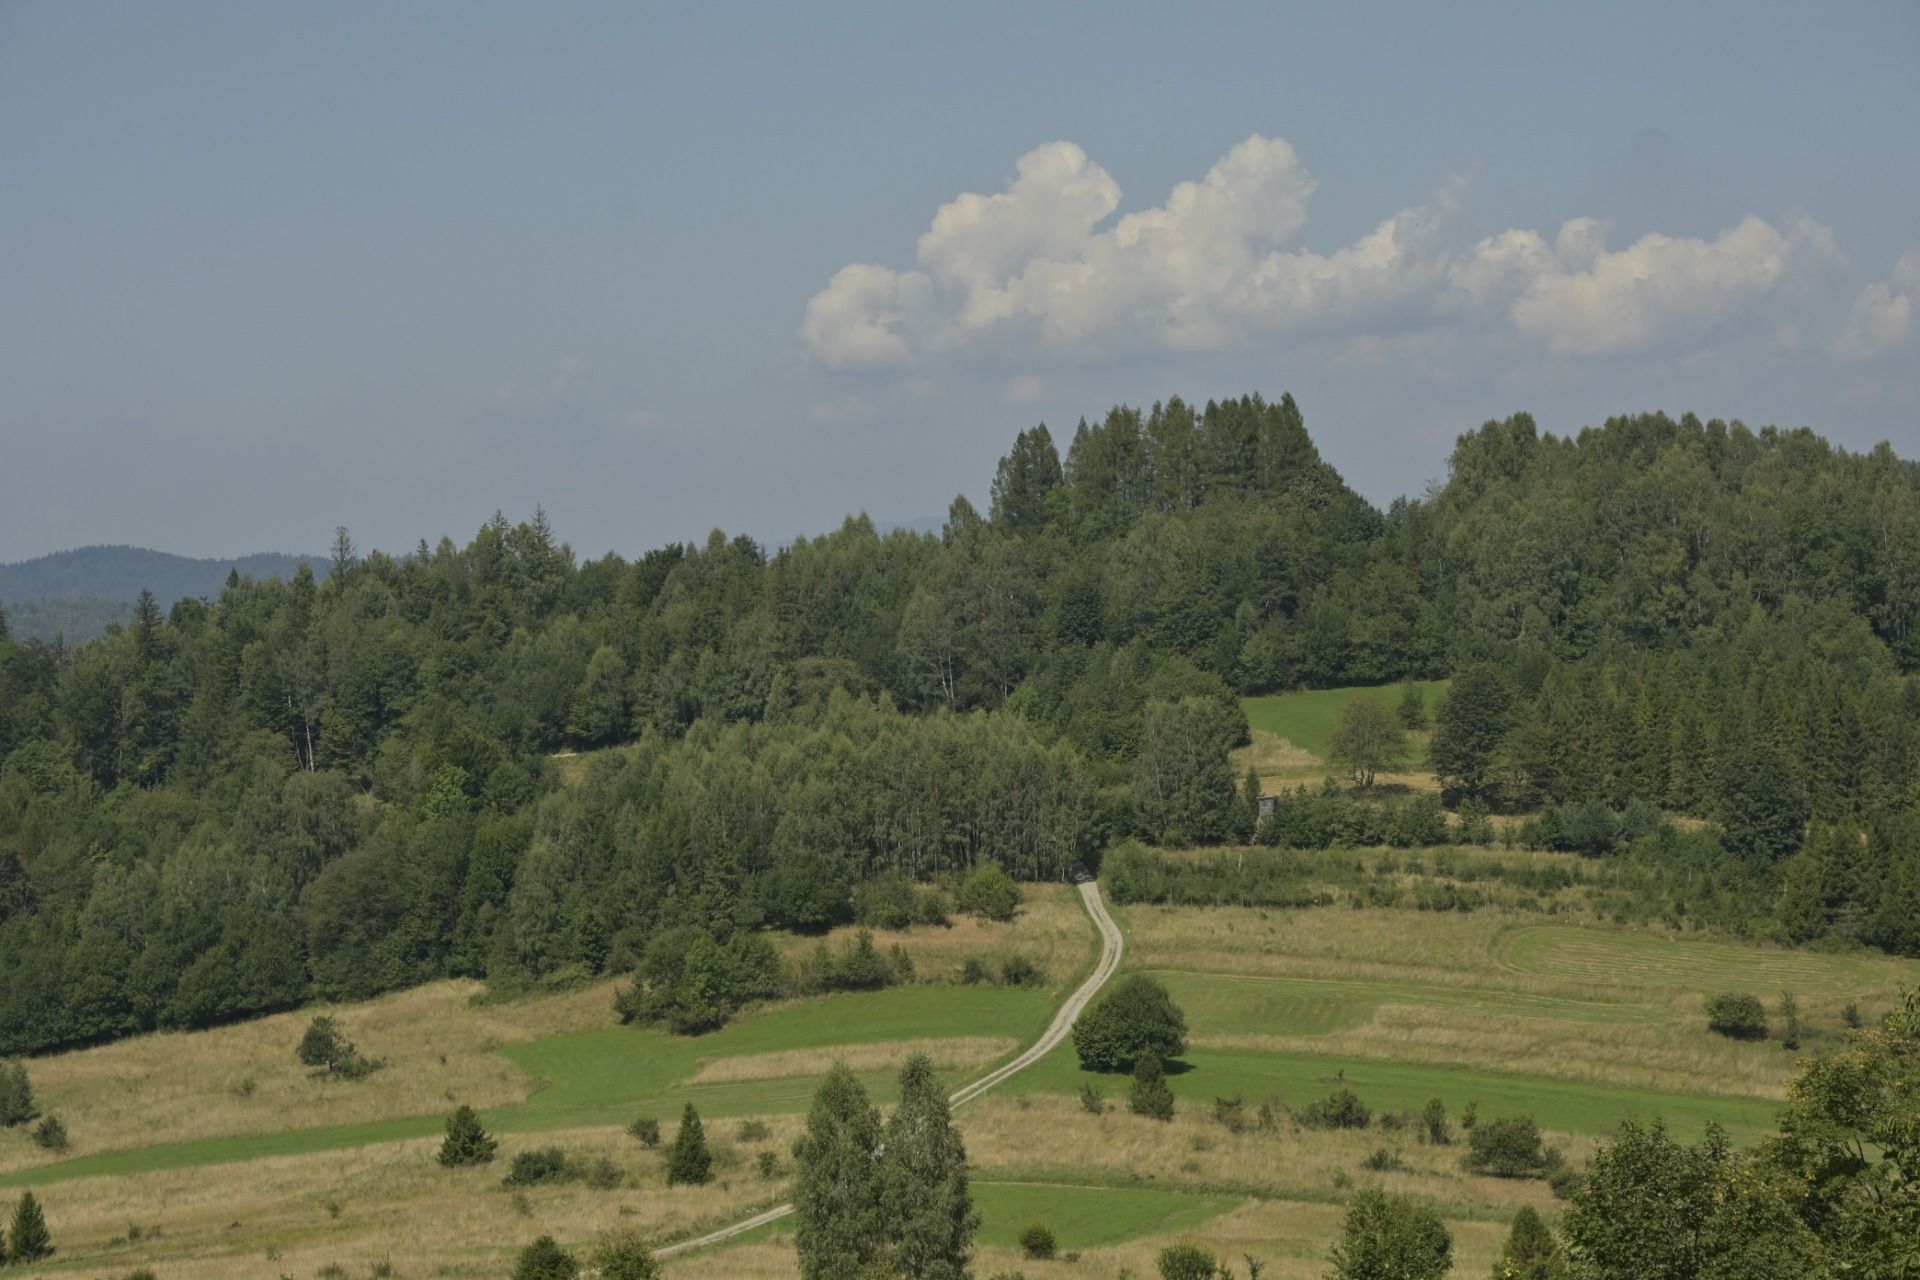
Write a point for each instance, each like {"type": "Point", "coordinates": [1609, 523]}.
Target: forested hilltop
{"type": "Point", "coordinates": [304, 787]}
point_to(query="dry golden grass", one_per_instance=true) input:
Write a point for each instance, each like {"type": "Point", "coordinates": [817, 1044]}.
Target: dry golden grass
{"type": "Point", "coordinates": [1282, 766]}
{"type": "Point", "coordinates": [295, 1215]}
{"type": "Point", "coordinates": [244, 1078]}
{"type": "Point", "coordinates": [952, 1054]}
{"type": "Point", "coordinates": [1051, 929]}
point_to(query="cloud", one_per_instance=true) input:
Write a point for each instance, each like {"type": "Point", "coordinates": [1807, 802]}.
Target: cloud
{"type": "Point", "coordinates": [1882, 317]}
{"type": "Point", "coordinates": [1217, 266]}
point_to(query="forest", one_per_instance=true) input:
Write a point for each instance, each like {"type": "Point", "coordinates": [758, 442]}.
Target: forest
{"type": "Point", "coordinates": [333, 787]}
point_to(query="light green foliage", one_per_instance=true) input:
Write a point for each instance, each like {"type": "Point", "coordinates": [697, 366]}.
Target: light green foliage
{"type": "Point", "coordinates": [1531, 1252]}
{"type": "Point", "coordinates": [689, 1162]}
{"type": "Point", "coordinates": [1367, 739]}
{"type": "Point", "coordinates": [1135, 1018]}
{"type": "Point", "coordinates": [624, 1255]}
{"type": "Point", "coordinates": [930, 1219]}
{"type": "Point", "coordinates": [1183, 790]}
{"type": "Point", "coordinates": [839, 1227]}
{"type": "Point", "coordinates": [988, 891]}
{"type": "Point", "coordinates": [1653, 1209]}
{"type": "Point", "coordinates": [1412, 710]}
{"type": "Point", "coordinates": [1391, 1238]}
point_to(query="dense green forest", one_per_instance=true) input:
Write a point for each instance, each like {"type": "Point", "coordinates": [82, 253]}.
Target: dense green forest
{"type": "Point", "coordinates": [334, 787]}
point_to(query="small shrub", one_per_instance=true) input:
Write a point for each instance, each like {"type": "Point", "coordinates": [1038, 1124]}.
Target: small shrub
{"type": "Point", "coordinates": [1092, 1100]}
{"type": "Point", "coordinates": [1469, 1116]}
{"type": "Point", "coordinates": [647, 1130]}
{"type": "Point", "coordinates": [602, 1174]}
{"type": "Point", "coordinates": [1850, 1014]}
{"type": "Point", "coordinates": [1341, 1109]}
{"type": "Point", "coordinates": [753, 1131]}
{"type": "Point", "coordinates": [1433, 1123]}
{"type": "Point", "coordinates": [50, 1134]}
{"type": "Point", "coordinates": [1231, 1113]}
{"type": "Point", "coordinates": [1790, 1021]}
{"type": "Point", "coordinates": [1187, 1262]}
{"type": "Point", "coordinates": [544, 1259]}
{"type": "Point", "coordinates": [540, 1168]}
{"type": "Point", "coordinates": [466, 1142]}
{"type": "Point", "coordinates": [1508, 1147]}
{"type": "Point", "coordinates": [769, 1164]}
{"type": "Point", "coordinates": [326, 1050]}
{"type": "Point", "coordinates": [1384, 1161]}
{"type": "Point", "coordinates": [1737, 1015]}
{"type": "Point", "coordinates": [1036, 1240]}
{"type": "Point", "coordinates": [1565, 1182]}
{"type": "Point", "coordinates": [972, 971]}
{"type": "Point", "coordinates": [625, 1255]}
{"type": "Point", "coordinates": [900, 962]}
{"type": "Point", "coordinates": [990, 892]}
{"type": "Point", "coordinates": [1150, 1095]}
{"type": "Point", "coordinates": [1018, 971]}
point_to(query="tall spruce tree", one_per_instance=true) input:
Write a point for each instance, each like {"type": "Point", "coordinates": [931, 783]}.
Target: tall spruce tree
{"type": "Point", "coordinates": [688, 1160]}
{"type": "Point", "coordinates": [466, 1142]}
{"type": "Point", "coordinates": [1531, 1252]}
{"type": "Point", "coordinates": [28, 1239]}
{"type": "Point", "coordinates": [923, 1181]}
{"type": "Point", "coordinates": [840, 1227]}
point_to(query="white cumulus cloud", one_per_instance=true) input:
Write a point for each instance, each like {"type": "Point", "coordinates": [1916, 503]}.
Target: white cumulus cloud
{"type": "Point", "coordinates": [1218, 265]}
{"type": "Point", "coordinates": [1882, 317]}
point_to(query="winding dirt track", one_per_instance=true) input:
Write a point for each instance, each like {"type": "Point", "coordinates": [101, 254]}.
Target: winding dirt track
{"type": "Point", "coordinates": [1111, 945]}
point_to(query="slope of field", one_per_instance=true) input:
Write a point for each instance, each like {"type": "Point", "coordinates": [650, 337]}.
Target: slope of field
{"type": "Point", "coordinates": [1306, 718]}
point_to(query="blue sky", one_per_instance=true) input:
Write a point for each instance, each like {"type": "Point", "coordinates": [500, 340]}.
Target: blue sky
{"type": "Point", "coordinates": [265, 269]}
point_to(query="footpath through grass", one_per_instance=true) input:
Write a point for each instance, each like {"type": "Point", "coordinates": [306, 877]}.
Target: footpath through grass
{"type": "Point", "coordinates": [1306, 718]}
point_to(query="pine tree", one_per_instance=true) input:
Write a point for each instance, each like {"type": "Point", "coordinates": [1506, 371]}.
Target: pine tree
{"type": "Point", "coordinates": [1531, 1253]}
{"type": "Point", "coordinates": [466, 1143]}
{"type": "Point", "coordinates": [688, 1160]}
{"type": "Point", "coordinates": [923, 1181]}
{"type": "Point", "coordinates": [28, 1239]}
{"type": "Point", "coordinates": [16, 1096]}
{"type": "Point", "coordinates": [839, 1227]}
{"type": "Point", "coordinates": [1150, 1095]}
{"type": "Point", "coordinates": [544, 1259]}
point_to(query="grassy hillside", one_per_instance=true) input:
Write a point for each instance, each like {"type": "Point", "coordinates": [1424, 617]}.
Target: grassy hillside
{"type": "Point", "coordinates": [1306, 718]}
{"type": "Point", "coordinates": [220, 1150]}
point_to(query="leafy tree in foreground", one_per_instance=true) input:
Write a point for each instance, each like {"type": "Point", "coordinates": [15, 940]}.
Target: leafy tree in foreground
{"type": "Point", "coordinates": [1367, 739]}
{"type": "Point", "coordinates": [688, 1160]}
{"type": "Point", "coordinates": [28, 1239]}
{"type": "Point", "coordinates": [923, 1181]}
{"type": "Point", "coordinates": [544, 1259]}
{"type": "Point", "coordinates": [1137, 1018]}
{"type": "Point", "coordinates": [466, 1142]}
{"type": "Point", "coordinates": [1150, 1095]}
{"type": "Point", "coordinates": [1531, 1252]}
{"type": "Point", "coordinates": [1851, 1137]}
{"type": "Point", "coordinates": [1652, 1209]}
{"type": "Point", "coordinates": [839, 1228]}
{"type": "Point", "coordinates": [1391, 1238]}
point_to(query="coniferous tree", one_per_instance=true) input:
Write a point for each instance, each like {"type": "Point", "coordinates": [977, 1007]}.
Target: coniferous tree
{"type": "Point", "coordinates": [1413, 707]}
{"type": "Point", "coordinates": [1531, 1252]}
{"type": "Point", "coordinates": [28, 1239]}
{"type": "Point", "coordinates": [17, 1105]}
{"type": "Point", "coordinates": [466, 1142]}
{"type": "Point", "coordinates": [544, 1259]}
{"type": "Point", "coordinates": [1468, 729]}
{"type": "Point", "coordinates": [839, 1228]}
{"type": "Point", "coordinates": [1150, 1095]}
{"type": "Point", "coordinates": [689, 1161]}
{"type": "Point", "coordinates": [923, 1181]}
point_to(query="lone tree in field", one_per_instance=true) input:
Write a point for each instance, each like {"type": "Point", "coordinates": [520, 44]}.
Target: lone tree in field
{"type": "Point", "coordinates": [325, 1049]}
{"type": "Point", "coordinates": [990, 892]}
{"type": "Point", "coordinates": [839, 1228]}
{"type": "Point", "coordinates": [1508, 1147]}
{"type": "Point", "coordinates": [1737, 1015]}
{"type": "Point", "coordinates": [1391, 1238]}
{"type": "Point", "coordinates": [1150, 1096]}
{"type": "Point", "coordinates": [466, 1142]}
{"type": "Point", "coordinates": [544, 1259]}
{"type": "Point", "coordinates": [923, 1181]}
{"type": "Point", "coordinates": [1367, 739]}
{"type": "Point", "coordinates": [1531, 1252]}
{"type": "Point", "coordinates": [27, 1236]}
{"type": "Point", "coordinates": [625, 1255]}
{"type": "Point", "coordinates": [16, 1096]}
{"type": "Point", "coordinates": [688, 1160]}
{"type": "Point", "coordinates": [1138, 1017]}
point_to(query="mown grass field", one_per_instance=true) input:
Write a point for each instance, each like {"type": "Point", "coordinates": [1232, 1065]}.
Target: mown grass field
{"type": "Point", "coordinates": [1306, 718]}
{"type": "Point", "coordinates": [1577, 1026]}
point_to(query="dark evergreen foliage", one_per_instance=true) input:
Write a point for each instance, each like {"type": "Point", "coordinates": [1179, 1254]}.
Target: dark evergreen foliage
{"type": "Point", "coordinates": [689, 1162]}
{"type": "Point", "coordinates": [466, 1142]}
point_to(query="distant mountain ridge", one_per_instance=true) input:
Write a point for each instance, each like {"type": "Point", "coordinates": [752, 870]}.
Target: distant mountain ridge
{"type": "Point", "coordinates": [76, 594]}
